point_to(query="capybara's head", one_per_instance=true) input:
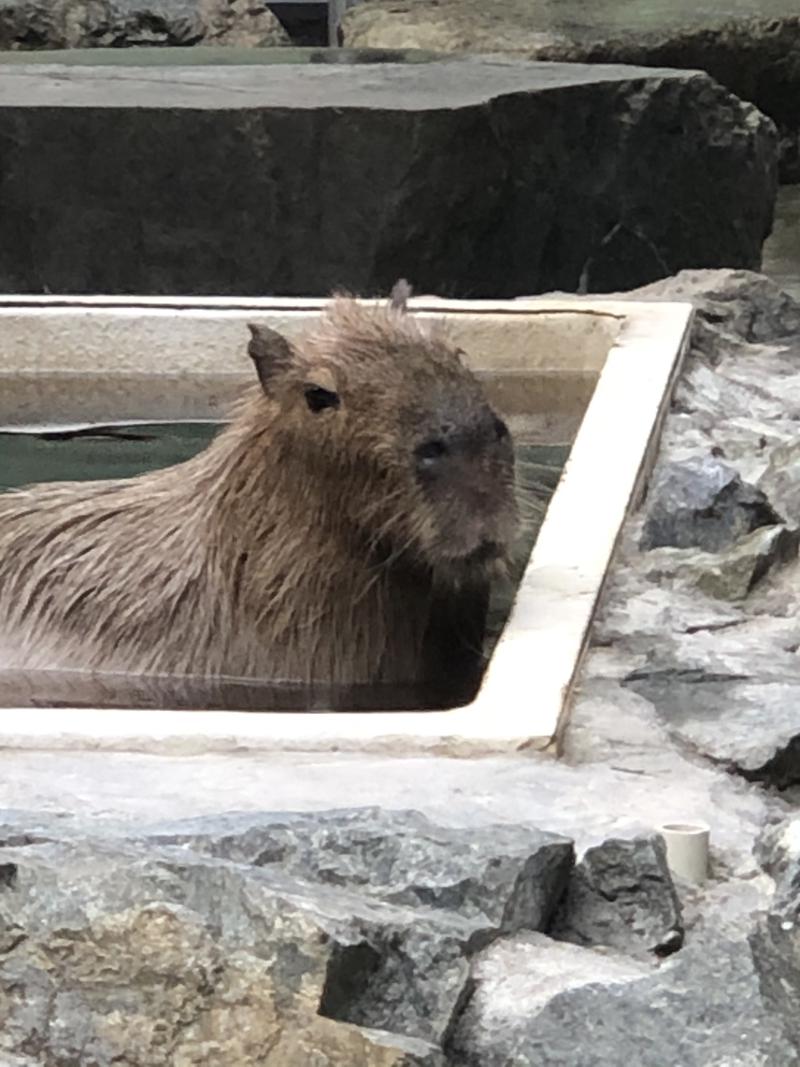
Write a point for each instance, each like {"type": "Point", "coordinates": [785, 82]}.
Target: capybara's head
{"type": "Point", "coordinates": [378, 412]}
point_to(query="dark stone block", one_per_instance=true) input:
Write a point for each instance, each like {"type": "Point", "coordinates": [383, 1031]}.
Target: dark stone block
{"type": "Point", "coordinates": [472, 177]}
{"type": "Point", "coordinates": [621, 896]}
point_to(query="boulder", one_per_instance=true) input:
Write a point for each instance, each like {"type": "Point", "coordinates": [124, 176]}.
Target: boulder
{"type": "Point", "coordinates": [775, 947]}
{"type": "Point", "coordinates": [30, 24]}
{"type": "Point", "coordinates": [621, 896]}
{"type": "Point", "coordinates": [778, 852]}
{"type": "Point", "coordinates": [346, 935]}
{"type": "Point", "coordinates": [731, 694]}
{"type": "Point", "coordinates": [537, 1003]}
{"type": "Point", "coordinates": [750, 727]}
{"type": "Point", "coordinates": [503, 877]}
{"type": "Point", "coordinates": [702, 502]}
{"type": "Point", "coordinates": [473, 177]}
{"type": "Point", "coordinates": [780, 260]}
{"type": "Point", "coordinates": [754, 53]}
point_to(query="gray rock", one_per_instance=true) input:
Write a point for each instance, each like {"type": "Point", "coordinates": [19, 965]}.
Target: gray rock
{"type": "Point", "coordinates": [621, 896]}
{"type": "Point", "coordinates": [775, 941]}
{"type": "Point", "coordinates": [731, 304]}
{"type": "Point", "coordinates": [169, 958]}
{"type": "Point", "coordinates": [780, 260]}
{"type": "Point", "coordinates": [730, 692]}
{"type": "Point", "coordinates": [713, 394]}
{"type": "Point", "coordinates": [30, 24]}
{"type": "Point", "coordinates": [781, 482]}
{"type": "Point", "coordinates": [728, 575]}
{"type": "Point", "coordinates": [778, 852]}
{"type": "Point", "coordinates": [757, 646]}
{"type": "Point", "coordinates": [775, 946]}
{"type": "Point", "coordinates": [750, 727]}
{"type": "Point", "coordinates": [634, 612]}
{"type": "Point", "coordinates": [536, 1004]}
{"type": "Point", "coordinates": [750, 50]}
{"type": "Point", "coordinates": [504, 877]}
{"type": "Point", "coordinates": [739, 395]}
{"type": "Point", "coordinates": [702, 502]}
{"type": "Point", "coordinates": [201, 176]}
{"type": "Point", "coordinates": [748, 442]}
{"type": "Point", "coordinates": [361, 918]}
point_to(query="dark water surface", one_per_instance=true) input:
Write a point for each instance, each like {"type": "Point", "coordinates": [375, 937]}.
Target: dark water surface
{"type": "Point", "coordinates": [100, 452]}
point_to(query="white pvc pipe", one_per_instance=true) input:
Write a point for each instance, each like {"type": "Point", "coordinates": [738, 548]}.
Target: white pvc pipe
{"type": "Point", "coordinates": [687, 849]}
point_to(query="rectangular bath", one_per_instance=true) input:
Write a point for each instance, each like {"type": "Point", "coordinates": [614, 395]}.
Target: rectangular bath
{"type": "Point", "coordinates": [588, 373]}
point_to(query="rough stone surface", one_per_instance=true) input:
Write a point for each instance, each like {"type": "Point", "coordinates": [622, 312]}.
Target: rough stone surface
{"type": "Point", "coordinates": [702, 502]}
{"type": "Point", "coordinates": [71, 870]}
{"type": "Point", "coordinates": [28, 24]}
{"type": "Point", "coordinates": [775, 942]}
{"type": "Point", "coordinates": [505, 878]}
{"type": "Point", "coordinates": [778, 851]}
{"type": "Point", "coordinates": [473, 177]}
{"type": "Point", "coordinates": [726, 686]}
{"type": "Point", "coordinates": [537, 1005]}
{"type": "Point", "coordinates": [781, 481]}
{"type": "Point", "coordinates": [753, 50]}
{"type": "Point", "coordinates": [775, 946]}
{"type": "Point", "coordinates": [226, 938]}
{"type": "Point", "coordinates": [152, 984]}
{"type": "Point", "coordinates": [749, 726]}
{"type": "Point", "coordinates": [732, 573]}
{"type": "Point", "coordinates": [621, 896]}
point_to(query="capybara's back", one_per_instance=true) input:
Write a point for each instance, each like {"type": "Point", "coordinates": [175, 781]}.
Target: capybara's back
{"type": "Point", "coordinates": [341, 529]}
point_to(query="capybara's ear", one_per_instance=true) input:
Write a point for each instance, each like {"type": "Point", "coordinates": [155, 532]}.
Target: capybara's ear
{"type": "Point", "coordinates": [401, 291]}
{"type": "Point", "coordinates": [271, 353]}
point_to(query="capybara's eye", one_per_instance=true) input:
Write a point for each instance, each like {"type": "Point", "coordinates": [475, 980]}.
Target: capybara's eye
{"type": "Point", "coordinates": [429, 451]}
{"type": "Point", "coordinates": [318, 398]}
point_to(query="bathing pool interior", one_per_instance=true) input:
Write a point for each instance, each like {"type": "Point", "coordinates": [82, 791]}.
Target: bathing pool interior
{"type": "Point", "coordinates": [110, 387]}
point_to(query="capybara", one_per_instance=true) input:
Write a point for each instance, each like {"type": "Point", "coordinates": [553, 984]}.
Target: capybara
{"type": "Point", "coordinates": [341, 529]}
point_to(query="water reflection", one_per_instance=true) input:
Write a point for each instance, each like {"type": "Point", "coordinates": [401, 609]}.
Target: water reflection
{"type": "Point", "coordinates": [95, 689]}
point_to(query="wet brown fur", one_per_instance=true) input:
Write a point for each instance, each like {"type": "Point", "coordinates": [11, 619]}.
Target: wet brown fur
{"type": "Point", "coordinates": [297, 546]}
